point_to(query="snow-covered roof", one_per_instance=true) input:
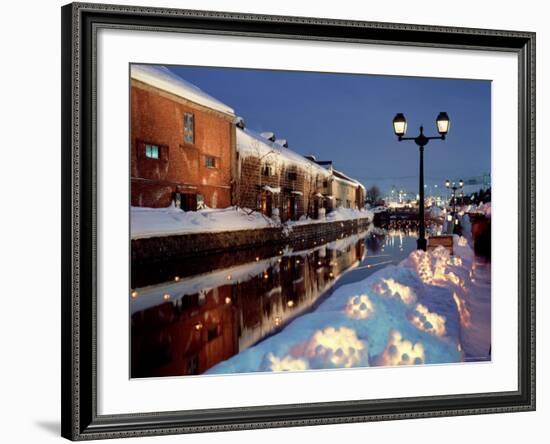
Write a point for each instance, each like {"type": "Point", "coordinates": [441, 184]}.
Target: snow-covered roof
{"type": "Point", "coordinates": [250, 143]}
{"type": "Point", "coordinates": [162, 78]}
{"type": "Point", "coordinates": [346, 178]}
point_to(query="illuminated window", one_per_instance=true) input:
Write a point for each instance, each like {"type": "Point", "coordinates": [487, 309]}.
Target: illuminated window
{"type": "Point", "coordinates": [210, 162]}
{"type": "Point", "coordinates": [152, 151]}
{"type": "Point", "coordinates": [188, 128]}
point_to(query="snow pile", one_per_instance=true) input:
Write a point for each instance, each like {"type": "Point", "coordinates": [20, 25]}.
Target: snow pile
{"type": "Point", "coordinates": [171, 221]}
{"type": "Point", "coordinates": [400, 351]}
{"type": "Point", "coordinates": [484, 209]}
{"type": "Point", "coordinates": [162, 78]}
{"type": "Point", "coordinates": [335, 348]}
{"type": "Point", "coordinates": [418, 312]}
{"type": "Point", "coordinates": [359, 307]}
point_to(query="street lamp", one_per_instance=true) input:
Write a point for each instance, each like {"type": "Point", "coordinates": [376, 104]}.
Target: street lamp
{"type": "Point", "coordinates": [400, 129]}
{"type": "Point", "coordinates": [454, 186]}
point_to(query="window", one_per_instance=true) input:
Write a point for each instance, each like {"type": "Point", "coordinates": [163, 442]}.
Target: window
{"type": "Point", "coordinates": [210, 162]}
{"type": "Point", "coordinates": [266, 170]}
{"type": "Point", "coordinates": [292, 176]}
{"type": "Point", "coordinates": [325, 183]}
{"type": "Point", "coordinates": [152, 151]}
{"type": "Point", "coordinates": [188, 128]}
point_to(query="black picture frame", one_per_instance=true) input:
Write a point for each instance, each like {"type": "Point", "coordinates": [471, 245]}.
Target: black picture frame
{"type": "Point", "coordinates": [80, 22]}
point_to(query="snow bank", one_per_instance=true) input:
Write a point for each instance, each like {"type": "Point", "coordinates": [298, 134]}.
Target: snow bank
{"type": "Point", "coordinates": [338, 214]}
{"type": "Point", "coordinates": [162, 78]}
{"type": "Point", "coordinates": [172, 221]}
{"type": "Point", "coordinates": [484, 209]}
{"type": "Point", "coordinates": [414, 313]}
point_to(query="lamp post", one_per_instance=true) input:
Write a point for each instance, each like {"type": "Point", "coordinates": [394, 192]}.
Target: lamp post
{"type": "Point", "coordinates": [454, 186]}
{"type": "Point", "coordinates": [400, 128]}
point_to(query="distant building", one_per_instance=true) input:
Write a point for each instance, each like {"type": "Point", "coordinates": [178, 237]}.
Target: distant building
{"type": "Point", "coordinates": [347, 192]}
{"type": "Point", "coordinates": [182, 143]}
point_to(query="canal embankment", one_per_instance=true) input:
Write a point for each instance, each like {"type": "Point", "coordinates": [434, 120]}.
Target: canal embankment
{"type": "Point", "coordinates": [163, 246]}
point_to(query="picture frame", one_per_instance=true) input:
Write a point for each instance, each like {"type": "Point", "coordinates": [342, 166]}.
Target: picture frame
{"type": "Point", "coordinates": [80, 175]}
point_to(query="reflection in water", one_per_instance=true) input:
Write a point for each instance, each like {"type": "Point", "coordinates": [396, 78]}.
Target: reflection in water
{"type": "Point", "coordinates": [188, 324]}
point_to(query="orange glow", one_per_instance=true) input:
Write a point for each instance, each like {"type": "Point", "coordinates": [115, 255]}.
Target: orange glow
{"type": "Point", "coordinates": [165, 296]}
{"type": "Point", "coordinates": [359, 307]}
{"type": "Point", "coordinates": [400, 351]}
{"type": "Point", "coordinates": [177, 278]}
{"type": "Point", "coordinates": [134, 294]}
{"type": "Point", "coordinates": [340, 346]}
{"type": "Point", "coordinates": [285, 364]}
{"type": "Point", "coordinates": [406, 294]}
{"type": "Point", "coordinates": [463, 311]}
{"type": "Point", "coordinates": [427, 321]}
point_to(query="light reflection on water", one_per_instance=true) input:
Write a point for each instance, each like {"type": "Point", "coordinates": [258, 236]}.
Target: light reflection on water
{"type": "Point", "coordinates": [190, 322]}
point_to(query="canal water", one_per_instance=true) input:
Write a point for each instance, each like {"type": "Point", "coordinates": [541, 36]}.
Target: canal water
{"type": "Point", "coordinates": [187, 317]}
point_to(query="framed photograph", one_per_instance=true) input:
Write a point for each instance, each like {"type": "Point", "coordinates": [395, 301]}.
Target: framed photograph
{"type": "Point", "coordinates": [279, 221]}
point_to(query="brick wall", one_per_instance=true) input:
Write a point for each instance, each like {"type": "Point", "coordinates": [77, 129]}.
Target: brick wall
{"type": "Point", "coordinates": [157, 118]}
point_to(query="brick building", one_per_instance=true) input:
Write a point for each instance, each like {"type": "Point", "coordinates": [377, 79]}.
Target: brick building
{"type": "Point", "coordinates": [182, 143]}
{"type": "Point", "coordinates": [282, 183]}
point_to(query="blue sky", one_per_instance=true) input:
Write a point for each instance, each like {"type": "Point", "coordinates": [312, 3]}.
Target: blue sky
{"type": "Point", "coordinates": [348, 119]}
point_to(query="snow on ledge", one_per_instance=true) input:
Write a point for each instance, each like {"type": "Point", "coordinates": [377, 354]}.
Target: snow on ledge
{"type": "Point", "coordinates": [171, 221]}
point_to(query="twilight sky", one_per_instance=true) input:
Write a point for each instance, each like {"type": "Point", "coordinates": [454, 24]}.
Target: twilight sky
{"type": "Point", "coordinates": [347, 118]}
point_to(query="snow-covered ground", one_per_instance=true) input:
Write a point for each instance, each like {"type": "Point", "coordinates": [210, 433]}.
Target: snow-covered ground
{"type": "Point", "coordinates": [171, 221]}
{"type": "Point", "coordinates": [431, 308]}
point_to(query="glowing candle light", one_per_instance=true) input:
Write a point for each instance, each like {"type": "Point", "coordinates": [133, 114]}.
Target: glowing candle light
{"type": "Point", "coordinates": [198, 326]}
{"type": "Point", "coordinates": [134, 294]}
{"type": "Point", "coordinates": [228, 300]}
{"type": "Point", "coordinates": [177, 278]}
{"type": "Point", "coordinates": [290, 303]}
{"type": "Point", "coordinates": [165, 296]}
{"type": "Point", "coordinates": [228, 277]}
